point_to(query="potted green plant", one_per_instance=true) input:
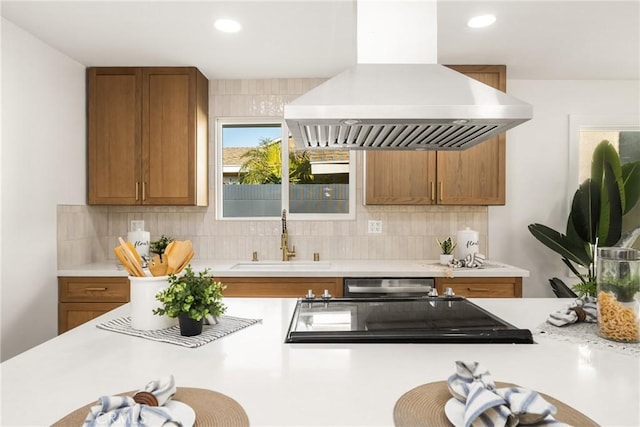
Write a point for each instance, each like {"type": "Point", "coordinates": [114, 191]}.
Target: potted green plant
{"type": "Point", "coordinates": [446, 250]}
{"type": "Point", "coordinates": [191, 297]}
{"type": "Point", "coordinates": [595, 218]}
{"type": "Point", "coordinates": [158, 246]}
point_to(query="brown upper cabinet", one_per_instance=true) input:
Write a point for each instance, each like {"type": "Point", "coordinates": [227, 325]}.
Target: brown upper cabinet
{"type": "Point", "coordinates": [475, 176]}
{"type": "Point", "coordinates": [147, 136]}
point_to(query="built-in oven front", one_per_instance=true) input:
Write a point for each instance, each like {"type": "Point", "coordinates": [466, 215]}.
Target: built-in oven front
{"type": "Point", "coordinates": [386, 287]}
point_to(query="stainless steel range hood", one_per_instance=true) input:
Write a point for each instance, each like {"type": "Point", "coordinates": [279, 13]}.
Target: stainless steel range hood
{"type": "Point", "coordinates": [397, 97]}
{"type": "Point", "coordinates": [401, 106]}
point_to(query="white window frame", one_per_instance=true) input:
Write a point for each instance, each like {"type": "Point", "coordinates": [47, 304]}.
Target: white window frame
{"type": "Point", "coordinates": [578, 123]}
{"type": "Point", "coordinates": [218, 178]}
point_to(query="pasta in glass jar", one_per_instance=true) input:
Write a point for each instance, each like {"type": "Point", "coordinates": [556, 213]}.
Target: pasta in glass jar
{"type": "Point", "coordinates": [618, 289]}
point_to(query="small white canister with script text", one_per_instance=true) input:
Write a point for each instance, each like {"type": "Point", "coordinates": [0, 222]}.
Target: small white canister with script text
{"type": "Point", "coordinates": [467, 242]}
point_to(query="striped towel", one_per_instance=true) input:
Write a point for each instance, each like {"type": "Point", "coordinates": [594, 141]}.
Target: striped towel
{"type": "Point", "coordinates": [217, 328]}
{"type": "Point", "coordinates": [486, 405]}
{"type": "Point", "coordinates": [580, 310]}
{"type": "Point", "coordinates": [470, 261]}
{"type": "Point", "coordinates": [124, 411]}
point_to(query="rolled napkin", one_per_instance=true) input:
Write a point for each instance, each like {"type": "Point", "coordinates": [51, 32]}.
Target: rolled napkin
{"type": "Point", "coordinates": [127, 411]}
{"type": "Point", "coordinates": [580, 310]}
{"type": "Point", "coordinates": [156, 392]}
{"type": "Point", "coordinates": [466, 373]}
{"type": "Point", "coordinates": [486, 405]}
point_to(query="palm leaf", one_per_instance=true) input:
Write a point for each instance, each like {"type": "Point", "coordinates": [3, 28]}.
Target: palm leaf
{"type": "Point", "coordinates": [560, 244]}
{"type": "Point", "coordinates": [585, 211]}
{"type": "Point", "coordinates": [631, 181]}
{"type": "Point", "coordinates": [574, 270]}
{"type": "Point", "coordinates": [610, 227]}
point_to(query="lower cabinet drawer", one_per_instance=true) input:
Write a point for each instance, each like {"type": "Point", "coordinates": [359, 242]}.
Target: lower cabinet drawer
{"type": "Point", "coordinates": [280, 287]}
{"type": "Point", "coordinates": [482, 287]}
{"type": "Point", "coordinates": [81, 299]}
{"type": "Point", "coordinates": [93, 289]}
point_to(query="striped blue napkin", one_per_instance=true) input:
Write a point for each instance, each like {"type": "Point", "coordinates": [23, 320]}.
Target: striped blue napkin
{"type": "Point", "coordinates": [580, 310]}
{"type": "Point", "coordinates": [124, 411]}
{"type": "Point", "coordinates": [488, 406]}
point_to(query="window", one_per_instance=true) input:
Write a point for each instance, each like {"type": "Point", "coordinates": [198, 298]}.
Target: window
{"type": "Point", "coordinates": [251, 166]}
{"type": "Point", "coordinates": [587, 132]}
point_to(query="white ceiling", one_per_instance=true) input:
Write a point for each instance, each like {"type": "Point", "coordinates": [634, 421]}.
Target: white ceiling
{"type": "Point", "coordinates": [317, 38]}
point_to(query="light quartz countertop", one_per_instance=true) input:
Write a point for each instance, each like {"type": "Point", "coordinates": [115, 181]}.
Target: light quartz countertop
{"type": "Point", "coordinates": [282, 384]}
{"type": "Point", "coordinates": [329, 268]}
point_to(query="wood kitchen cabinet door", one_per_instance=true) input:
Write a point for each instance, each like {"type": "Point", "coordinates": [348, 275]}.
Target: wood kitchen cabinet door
{"type": "Point", "coordinates": [148, 136]}
{"type": "Point", "coordinates": [81, 299]}
{"type": "Point", "coordinates": [174, 117]}
{"type": "Point", "coordinates": [114, 113]}
{"type": "Point", "coordinates": [475, 176]}
{"type": "Point", "coordinates": [400, 177]}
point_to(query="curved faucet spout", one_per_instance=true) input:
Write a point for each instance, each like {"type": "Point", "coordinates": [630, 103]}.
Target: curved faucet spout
{"type": "Point", "coordinates": [284, 240]}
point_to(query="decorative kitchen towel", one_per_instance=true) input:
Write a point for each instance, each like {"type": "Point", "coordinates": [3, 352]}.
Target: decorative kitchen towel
{"type": "Point", "coordinates": [226, 325]}
{"type": "Point", "coordinates": [580, 310]}
{"type": "Point", "coordinates": [126, 410]}
{"type": "Point", "coordinates": [474, 260]}
{"type": "Point", "coordinates": [587, 334]}
{"type": "Point", "coordinates": [486, 405]}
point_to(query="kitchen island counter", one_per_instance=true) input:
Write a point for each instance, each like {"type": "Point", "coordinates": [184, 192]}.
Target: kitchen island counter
{"type": "Point", "coordinates": [329, 268]}
{"type": "Point", "coordinates": [311, 384]}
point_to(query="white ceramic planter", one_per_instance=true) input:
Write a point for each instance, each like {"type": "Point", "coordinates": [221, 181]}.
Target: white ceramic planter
{"type": "Point", "coordinates": [143, 292]}
{"type": "Point", "coordinates": [446, 259]}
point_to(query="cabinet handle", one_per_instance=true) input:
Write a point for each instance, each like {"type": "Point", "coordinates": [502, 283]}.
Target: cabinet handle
{"type": "Point", "coordinates": [144, 191]}
{"type": "Point", "coordinates": [441, 190]}
{"type": "Point", "coordinates": [433, 191]}
{"type": "Point", "coordinates": [478, 290]}
{"type": "Point", "coordinates": [137, 190]}
{"type": "Point", "coordinates": [95, 289]}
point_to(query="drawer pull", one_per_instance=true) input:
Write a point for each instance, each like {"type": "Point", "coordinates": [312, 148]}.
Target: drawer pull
{"type": "Point", "coordinates": [95, 289]}
{"type": "Point", "coordinates": [478, 290]}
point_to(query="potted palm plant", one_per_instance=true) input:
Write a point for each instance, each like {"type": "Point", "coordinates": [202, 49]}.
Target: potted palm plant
{"type": "Point", "coordinates": [446, 250]}
{"type": "Point", "coordinates": [191, 297]}
{"type": "Point", "coordinates": [595, 219]}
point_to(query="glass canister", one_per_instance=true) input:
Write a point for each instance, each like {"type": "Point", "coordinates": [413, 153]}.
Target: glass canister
{"type": "Point", "coordinates": [618, 284]}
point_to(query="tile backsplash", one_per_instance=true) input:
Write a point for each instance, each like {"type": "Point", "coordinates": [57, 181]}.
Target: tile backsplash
{"type": "Point", "coordinates": [88, 234]}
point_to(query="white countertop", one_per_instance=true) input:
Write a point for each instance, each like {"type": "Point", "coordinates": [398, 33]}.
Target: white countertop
{"type": "Point", "coordinates": [329, 268]}
{"type": "Point", "coordinates": [311, 384]}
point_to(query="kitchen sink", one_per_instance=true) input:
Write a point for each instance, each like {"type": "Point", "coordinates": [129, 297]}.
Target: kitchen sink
{"type": "Point", "coordinates": [281, 265]}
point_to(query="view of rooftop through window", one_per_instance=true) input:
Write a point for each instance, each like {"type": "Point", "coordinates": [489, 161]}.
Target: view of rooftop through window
{"type": "Point", "coordinates": [253, 167]}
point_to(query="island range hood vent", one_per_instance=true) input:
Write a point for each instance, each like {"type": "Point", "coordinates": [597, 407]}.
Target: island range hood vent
{"type": "Point", "coordinates": [401, 106]}
{"type": "Point", "coordinates": [383, 103]}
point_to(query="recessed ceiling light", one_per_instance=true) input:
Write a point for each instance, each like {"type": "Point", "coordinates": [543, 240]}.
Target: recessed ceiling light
{"type": "Point", "coordinates": [227, 25]}
{"type": "Point", "coordinates": [481, 21]}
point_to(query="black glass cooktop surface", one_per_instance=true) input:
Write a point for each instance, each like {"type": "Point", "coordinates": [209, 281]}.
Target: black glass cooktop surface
{"type": "Point", "coordinates": [399, 320]}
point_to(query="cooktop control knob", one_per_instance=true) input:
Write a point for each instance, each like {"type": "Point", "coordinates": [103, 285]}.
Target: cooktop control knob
{"type": "Point", "coordinates": [326, 294]}
{"type": "Point", "coordinates": [310, 294]}
{"type": "Point", "coordinates": [433, 292]}
{"type": "Point", "coordinates": [448, 292]}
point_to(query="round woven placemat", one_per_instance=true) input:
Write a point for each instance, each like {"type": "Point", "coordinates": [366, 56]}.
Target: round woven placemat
{"type": "Point", "coordinates": [424, 406]}
{"type": "Point", "coordinates": [211, 408]}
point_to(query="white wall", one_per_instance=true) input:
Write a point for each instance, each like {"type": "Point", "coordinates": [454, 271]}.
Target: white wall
{"type": "Point", "coordinates": [43, 164]}
{"type": "Point", "coordinates": [538, 170]}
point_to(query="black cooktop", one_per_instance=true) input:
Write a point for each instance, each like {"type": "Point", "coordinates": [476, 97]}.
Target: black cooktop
{"type": "Point", "coordinates": [399, 320]}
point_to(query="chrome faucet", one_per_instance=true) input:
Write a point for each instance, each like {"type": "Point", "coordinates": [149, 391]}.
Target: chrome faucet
{"type": "Point", "coordinates": [284, 240]}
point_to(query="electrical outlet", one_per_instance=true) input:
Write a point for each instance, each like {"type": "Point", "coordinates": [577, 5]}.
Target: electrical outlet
{"type": "Point", "coordinates": [374, 227]}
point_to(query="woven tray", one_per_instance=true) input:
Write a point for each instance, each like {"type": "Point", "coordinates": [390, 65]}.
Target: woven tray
{"type": "Point", "coordinates": [212, 409]}
{"type": "Point", "coordinates": [424, 406]}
